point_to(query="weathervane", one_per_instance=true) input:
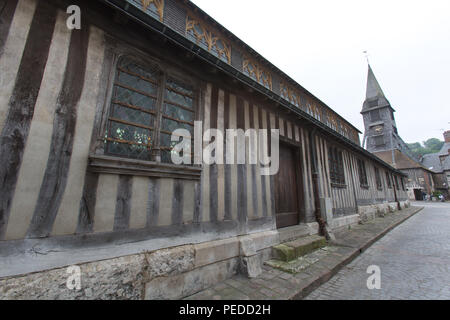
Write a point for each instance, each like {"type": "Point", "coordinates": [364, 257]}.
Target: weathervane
{"type": "Point", "coordinates": [366, 54]}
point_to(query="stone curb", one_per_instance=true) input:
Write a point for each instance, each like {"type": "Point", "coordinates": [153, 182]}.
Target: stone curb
{"type": "Point", "coordinates": [326, 275]}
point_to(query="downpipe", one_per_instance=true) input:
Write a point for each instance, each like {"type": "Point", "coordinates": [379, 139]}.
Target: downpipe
{"type": "Point", "coordinates": [316, 185]}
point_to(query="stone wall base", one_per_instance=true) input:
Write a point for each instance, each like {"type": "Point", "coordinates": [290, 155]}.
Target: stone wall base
{"type": "Point", "coordinates": [171, 273]}
{"type": "Point", "coordinates": [338, 223]}
{"type": "Point", "coordinates": [366, 213]}
{"type": "Point", "coordinates": [370, 212]}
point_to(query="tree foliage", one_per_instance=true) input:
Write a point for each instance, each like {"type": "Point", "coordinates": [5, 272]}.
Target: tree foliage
{"type": "Point", "coordinates": [432, 145]}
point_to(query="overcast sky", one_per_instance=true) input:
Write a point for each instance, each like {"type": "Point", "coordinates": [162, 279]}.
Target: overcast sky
{"type": "Point", "coordinates": [320, 44]}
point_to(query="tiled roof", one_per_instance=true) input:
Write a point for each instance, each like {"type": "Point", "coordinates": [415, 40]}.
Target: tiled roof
{"type": "Point", "coordinates": [445, 149]}
{"type": "Point", "coordinates": [446, 163]}
{"type": "Point", "coordinates": [439, 161]}
{"type": "Point", "coordinates": [432, 162]}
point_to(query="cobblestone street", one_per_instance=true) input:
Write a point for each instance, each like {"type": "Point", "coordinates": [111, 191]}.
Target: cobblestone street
{"type": "Point", "coordinates": [414, 260]}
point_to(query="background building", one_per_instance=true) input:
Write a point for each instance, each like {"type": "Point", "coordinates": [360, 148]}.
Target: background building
{"type": "Point", "coordinates": [439, 163]}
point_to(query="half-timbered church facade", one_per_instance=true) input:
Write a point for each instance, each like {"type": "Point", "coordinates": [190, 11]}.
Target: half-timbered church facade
{"type": "Point", "coordinates": [86, 175]}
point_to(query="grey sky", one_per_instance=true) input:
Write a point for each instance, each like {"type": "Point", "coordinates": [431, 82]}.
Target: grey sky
{"type": "Point", "coordinates": [320, 44]}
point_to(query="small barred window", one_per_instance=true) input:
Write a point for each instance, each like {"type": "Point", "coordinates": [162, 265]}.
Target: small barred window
{"type": "Point", "coordinates": [378, 179]}
{"type": "Point", "coordinates": [389, 181]}
{"type": "Point", "coordinates": [336, 164]}
{"type": "Point", "coordinates": [397, 186]}
{"type": "Point", "coordinates": [362, 174]}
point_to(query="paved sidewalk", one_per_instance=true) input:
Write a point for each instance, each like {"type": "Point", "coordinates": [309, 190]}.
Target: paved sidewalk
{"type": "Point", "coordinates": [274, 284]}
{"type": "Point", "coordinates": [413, 260]}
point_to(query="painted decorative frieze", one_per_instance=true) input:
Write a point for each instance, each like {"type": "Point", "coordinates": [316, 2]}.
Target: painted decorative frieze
{"type": "Point", "coordinates": [253, 70]}
{"type": "Point", "coordinates": [290, 94]}
{"type": "Point", "coordinates": [154, 8]}
{"type": "Point", "coordinates": [208, 39]}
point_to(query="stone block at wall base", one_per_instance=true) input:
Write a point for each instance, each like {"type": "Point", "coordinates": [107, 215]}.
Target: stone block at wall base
{"type": "Point", "coordinates": [345, 221]}
{"type": "Point", "coordinates": [251, 266]}
{"type": "Point", "coordinates": [213, 251]}
{"type": "Point", "coordinates": [188, 283]}
{"type": "Point", "coordinates": [392, 206]}
{"type": "Point", "coordinates": [405, 204]}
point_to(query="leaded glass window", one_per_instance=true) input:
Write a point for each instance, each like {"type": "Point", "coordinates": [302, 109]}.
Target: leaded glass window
{"type": "Point", "coordinates": [142, 95]}
{"type": "Point", "coordinates": [388, 180]}
{"type": "Point", "coordinates": [336, 164]}
{"type": "Point", "coordinates": [362, 174]}
{"type": "Point", "coordinates": [378, 179]}
{"type": "Point", "coordinates": [177, 113]}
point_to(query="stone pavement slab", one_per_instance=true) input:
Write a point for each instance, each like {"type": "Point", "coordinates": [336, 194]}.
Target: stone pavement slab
{"type": "Point", "coordinates": [316, 267]}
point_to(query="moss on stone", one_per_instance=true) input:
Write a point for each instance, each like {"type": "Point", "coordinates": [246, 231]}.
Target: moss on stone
{"type": "Point", "coordinates": [283, 252]}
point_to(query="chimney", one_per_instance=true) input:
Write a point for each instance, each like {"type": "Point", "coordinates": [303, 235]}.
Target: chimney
{"type": "Point", "coordinates": [447, 136]}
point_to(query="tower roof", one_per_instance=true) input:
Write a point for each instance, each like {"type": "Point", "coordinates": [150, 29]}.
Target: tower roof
{"type": "Point", "coordinates": [373, 87]}
{"type": "Point", "coordinates": [375, 97]}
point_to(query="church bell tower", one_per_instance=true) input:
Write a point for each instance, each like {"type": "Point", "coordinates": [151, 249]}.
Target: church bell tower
{"type": "Point", "coordinates": [380, 129]}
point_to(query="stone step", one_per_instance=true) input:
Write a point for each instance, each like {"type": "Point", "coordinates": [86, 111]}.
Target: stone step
{"type": "Point", "coordinates": [298, 231]}
{"type": "Point", "coordinates": [291, 250]}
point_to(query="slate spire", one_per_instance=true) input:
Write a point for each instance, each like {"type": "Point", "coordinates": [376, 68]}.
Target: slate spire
{"type": "Point", "coordinates": [373, 87]}
{"type": "Point", "coordinates": [374, 94]}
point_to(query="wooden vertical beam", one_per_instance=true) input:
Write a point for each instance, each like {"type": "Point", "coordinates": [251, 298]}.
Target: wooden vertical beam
{"type": "Point", "coordinates": [123, 203]}
{"type": "Point", "coordinates": [21, 105]}
{"type": "Point", "coordinates": [55, 177]}
{"type": "Point", "coordinates": [7, 10]}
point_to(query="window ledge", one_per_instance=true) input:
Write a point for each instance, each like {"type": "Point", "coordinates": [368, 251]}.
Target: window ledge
{"type": "Point", "coordinates": [364, 186]}
{"type": "Point", "coordinates": [126, 166]}
{"type": "Point", "coordinates": [338, 185]}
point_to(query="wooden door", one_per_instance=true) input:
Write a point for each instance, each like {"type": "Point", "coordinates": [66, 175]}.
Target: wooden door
{"type": "Point", "coordinates": [286, 194]}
